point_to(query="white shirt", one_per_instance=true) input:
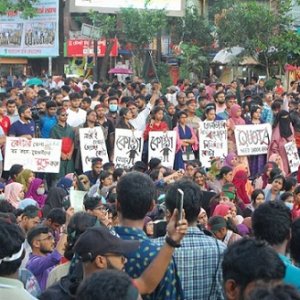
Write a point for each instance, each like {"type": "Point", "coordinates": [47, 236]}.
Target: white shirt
{"type": "Point", "coordinates": [139, 123]}
{"type": "Point", "coordinates": [76, 118]}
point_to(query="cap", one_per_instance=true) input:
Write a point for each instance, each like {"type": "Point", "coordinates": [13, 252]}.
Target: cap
{"type": "Point", "coordinates": [99, 241]}
{"type": "Point", "coordinates": [216, 223]}
{"type": "Point", "coordinates": [26, 202]}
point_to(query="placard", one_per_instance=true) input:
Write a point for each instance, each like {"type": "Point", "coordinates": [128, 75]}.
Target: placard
{"type": "Point", "coordinates": [253, 139]}
{"type": "Point", "coordinates": [292, 156]}
{"type": "Point", "coordinates": [76, 199]}
{"type": "Point", "coordinates": [92, 145]}
{"type": "Point", "coordinates": [32, 37]}
{"type": "Point", "coordinates": [212, 141]}
{"type": "Point", "coordinates": [128, 147]}
{"type": "Point", "coordinates": [38, 155]}
{"type": "Point", "coordinates": [162, 145]}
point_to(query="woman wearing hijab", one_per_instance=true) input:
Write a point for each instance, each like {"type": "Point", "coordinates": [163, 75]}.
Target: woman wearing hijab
{"type": "Point", "coordinates": [14, 193]}
{"type": "Point", "coordinates": [25, 178]}
{"type": "Point", "coordinates": [262, 181]}
{"type": "Point", "coordinates": [240, 181]}
{"type": "Point", "coordinates": [283, 133]}
{"type": "Point", "coordinates": [36, 191]}
{"type": "Point", "coordinates": [54, 199]}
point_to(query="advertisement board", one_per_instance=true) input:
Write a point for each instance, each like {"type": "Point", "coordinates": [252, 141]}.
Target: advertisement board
{"type": "Point", "coordinates": [33, 37]}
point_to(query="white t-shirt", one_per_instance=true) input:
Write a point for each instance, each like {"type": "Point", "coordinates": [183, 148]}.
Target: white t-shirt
{"type": "Point", "coordinates": [76, 118]}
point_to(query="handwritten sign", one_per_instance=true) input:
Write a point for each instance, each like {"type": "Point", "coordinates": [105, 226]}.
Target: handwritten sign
{"type": "Point", "coordinates": [38, 155]}
{"type": "Point", "coordinates": [253, 139]}
{"type": "Point", "coordinates": [92, 145]}
{"type": "Point", "coordinates": [292, 155]}
{"type": "Point", "coordinates": [212, 141]}
{"type": "Point", "coordinates": [128, 147]}
{"type": "Point", "coordinates": [162, 145]}
{"type": "Point", "coordinates": [76, 199]}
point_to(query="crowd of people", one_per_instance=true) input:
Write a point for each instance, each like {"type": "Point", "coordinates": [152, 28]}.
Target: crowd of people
{"type": "Point", "coordinates": [238, 236]}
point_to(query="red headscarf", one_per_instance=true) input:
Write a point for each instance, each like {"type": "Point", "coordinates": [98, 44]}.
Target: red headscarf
{"type": "Point", "coordinates": [239, 180]}
{"type": "Point", "coordinates": [221, 210]}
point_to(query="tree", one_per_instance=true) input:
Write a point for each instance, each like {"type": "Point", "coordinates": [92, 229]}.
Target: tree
{"type": "Point", "coordinates": [140, 27]}
{"type": "Point", "coordinates": [259, 29]}
{"type": "Point", "coordinates": [26, 7]}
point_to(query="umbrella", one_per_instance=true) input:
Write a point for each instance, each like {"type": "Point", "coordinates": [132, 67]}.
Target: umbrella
{"type": "Point", "coordinates": [34, 81]}
{"type": "Point", "coordinates": [228, 55]}
{"type": "Point", "coordinates": [120, 71]}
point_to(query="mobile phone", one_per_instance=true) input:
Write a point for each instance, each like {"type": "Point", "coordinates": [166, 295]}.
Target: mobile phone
{"type": "Point", "coordinates": [179, 203]}
{"type": "Point", "coordinates": [159, 228]}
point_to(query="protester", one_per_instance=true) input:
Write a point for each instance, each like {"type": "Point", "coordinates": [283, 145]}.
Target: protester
{"type": "Point", "coordinates": [14, 193]}
{"type": "Point", "coordinates": [36, 191]}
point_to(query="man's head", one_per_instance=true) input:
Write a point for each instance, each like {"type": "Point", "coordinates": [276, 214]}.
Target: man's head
{"type": "Point", "coordinates": [11, 250]}
{"type": "Point", "coordinates": [30, 218]}
{"type": "Point", "coordinates": [140, 101]}
{"type": "Point", "coordinates": [230, 100]}
{"type": "Point", "coordinates": [113, 104]}
{"type": "Point", "coordinates": [133, 108]}
{"type": "Point", "coordinates": [135, 195]}
{"type": "Point", "coordinates": [191, 202]}
{"type": "Point", "coordinates": [191, 106]}
{"type": "Point", "coordinates": [94, 205]}
{"type": "Point", "coordinates": [15, 170]}
{"type": "Point", "coordinates": [97, 165]}
{"type": "Point", "coordinates": [51, 108]}
{"type": "Point", "coordinates": [86, 103]}
{"type": "Point", "coordinates": [62, 115]}
{"type": "Point", "coordinates": [75, 100]}
{"type": "Point", "coordinates": [108, 285]}
{"type": "Point", "coordinates": [11, 107]}
{"type": "Point", "coordinates": [29, 94]}
{"type": "Point", "coordinates": [181, 98]}
{"type": "Point", "coordinates": [220, 98]}
{"type": "Point", "coordinates": [25, 112]}
{"type": "Point", "coordinates": [41, 240]}
{"type": "Point", "coordinates": [99, 249]}
{"type": "Point", "coordinates": [246, 262]}
{"type": "Point", "coordinates": [218, 226]}
{"type": "Point", "coordinates": [271, 222]}
{"type": "Point", "coordinates": [55, 219]}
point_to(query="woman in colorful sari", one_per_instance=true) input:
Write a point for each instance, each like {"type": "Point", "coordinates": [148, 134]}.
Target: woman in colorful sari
{"type": "Point", "coordinates": [186, 143]}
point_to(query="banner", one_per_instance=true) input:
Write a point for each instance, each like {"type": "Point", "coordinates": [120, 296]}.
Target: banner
{"type": "Point", "coordinates": [38, 155]}
{"type": "Point", "coordinates": [92, 145]}
{"type": "Point", "coordinates": [253, 139]}
{"type": "Point", "coordinates": [80, 48]}
{"type": "Point", "coordinates": [162, 145]}
{"type": "Point", "coordinates": [34, 37]}
{"type": "Point", "coordinates": [128, 147]}
{"type": "Point", "coordinates": [292, 156]}
{"type": "Point", "coordinates": [212, 141]}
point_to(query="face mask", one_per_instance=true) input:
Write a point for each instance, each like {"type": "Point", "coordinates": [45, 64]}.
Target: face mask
{"type": "Point", "coordinates": [2, 196]}
{"type": "Point", "coordinates": [289, 205]}
{"type": "Point", "coordinates": [40, 191]}
{"type": "Point", "coordinates": [113, 107]}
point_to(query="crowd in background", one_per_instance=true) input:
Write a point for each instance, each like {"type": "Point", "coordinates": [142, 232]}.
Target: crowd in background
{"type": "Point", "coordinates": [240, 233]}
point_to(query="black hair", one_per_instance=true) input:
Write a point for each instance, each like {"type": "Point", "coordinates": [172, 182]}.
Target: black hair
{"type": "Point", "coordinates": [248, 260]}
{"type": "Point", "coordinates": [78, 224]}
{"type": "Point", "coordinates": [107, 166]}
{"type": "Point", "coordinates": [274, 292]}
{"type": "Point", "coordinates": [255, 193]}
{"type": "Point", "coordinates": [118, 172]}
{"type": "Point", "coordinates": [253, 109]}
{"type": "Point", "coordinates": [271, 222]}
{"type": "Point", "coordinates": [135, 194]}
{"type": "Point", "coordinates": [51, 104]}
{"type": "Point", "coordinates": [22, 108]}
{"type": "Point", "coordinates": [94, 93]}
{"type": "Point", "coordinates": [66, 88]}
{"type": "Point", "coordinates": [10, 101]}
{"type": "Point", "coordinates": [181, 113]}
{"type": "Point", "coordinates": [155, 110]}
{"type": "Point", "coordinates": [57, 215]}
{"type": "Point", "coordinates": [86, 84]}
{"type": "Point", "coordinates": [192, 198]}
{"type": "Point", "coordinates": [295, 242]}
{"type": "Point", "coordinates": [87, 100]}
{"type": "Point", "coordinates": [74, 96]}
{"type": "Point", "coordinates": [273, 173]}
{"type": "Point", "coordinates": [297, 190]}
{"type": "Point", "coordinates": [42, 100]}
{"type": "Point", "coordinates": [60, 111]}
{"type": "Point", "coordinates": [279, 176]}
{"type": "Point", "coordinates": [15, 170]}
{"type": "Point", "coordinates": [11, 240]}
{"type": "Point", "coordinates": [107, 285]}
{"type": "Point", "coordinates": [6, 207]}
{"type": "Point", "coordinates": [103, 175]}
{"type": "Point", "coordinates": [111, 98]}
{"type": "Point", "coordinates": [285, 195]}
{"type": "Point", "coordinates": [224, 171]}
{"type": "Point", "coordinates": [34, 232]}
{"type": "Point", "coordinates": [290, 182]}
{"type": "Point", "coordinates": [30, 211]}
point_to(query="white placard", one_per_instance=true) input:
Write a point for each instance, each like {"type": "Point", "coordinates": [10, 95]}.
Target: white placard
{"type": "Point", "coordinates": [253, 139]}
{"type": "Point", "coordinates": [76, 199]}
{"type": "Point", "coordinates": [292, 156]}
{"type": "Point", "coordinates": [92, 145]}
{"type": "Point", "coordinates": [128, 147]}
{"type": "Point", "coordinates": [162, 145]}
{"type": "Point", "coordinates": [212, 141]}
{"type": "Point", "coordinates": [38, 155]}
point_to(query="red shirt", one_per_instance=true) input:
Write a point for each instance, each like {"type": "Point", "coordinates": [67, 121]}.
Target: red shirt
{"type": "Point", "coordinates": [163, 126]}
{"type": "Point", "coordinates": [5, 124]}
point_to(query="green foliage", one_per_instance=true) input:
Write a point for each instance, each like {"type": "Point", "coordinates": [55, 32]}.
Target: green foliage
{"type": "Point", "coordinates": [26, 7]}
{"type": "Point", "coordinates": [163, 74]}
{"type": "Point", "coordinates": [194, 60]}
{"type": "Point", "coordinates": [260, 30]}
{"type": "Point", "coordinates": [107, 23]}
